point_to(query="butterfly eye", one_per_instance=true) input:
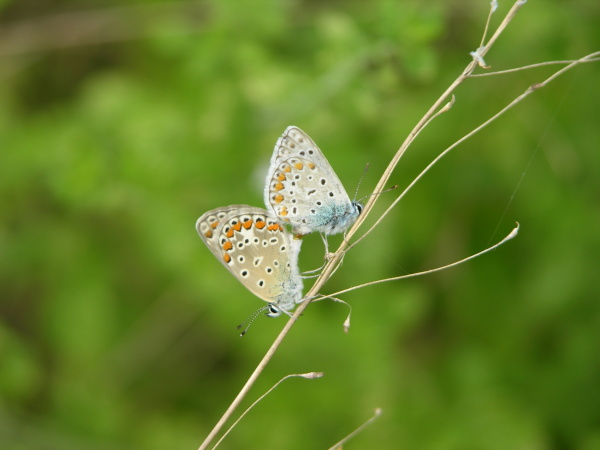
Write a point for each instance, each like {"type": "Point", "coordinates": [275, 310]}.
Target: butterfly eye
{"type": "Point", "coordinates": [359, 207]}
{"type": "Point", "coordinates": [273, 311]}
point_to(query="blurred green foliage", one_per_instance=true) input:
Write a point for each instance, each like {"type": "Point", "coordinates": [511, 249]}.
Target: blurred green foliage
{"type": "Point", "coordinates": [121, 123]}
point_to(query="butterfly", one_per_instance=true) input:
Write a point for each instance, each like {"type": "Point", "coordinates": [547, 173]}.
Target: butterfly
{"type": "Point", "coordinates": [302, 189]}
{"type": "Point", "coordinates": [258, 251]}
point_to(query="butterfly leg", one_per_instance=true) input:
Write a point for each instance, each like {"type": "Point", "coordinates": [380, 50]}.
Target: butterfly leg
{"type": "Point", "coordinates": [313, 273]}
{"type": "Point", "coordinates": [328, 255]}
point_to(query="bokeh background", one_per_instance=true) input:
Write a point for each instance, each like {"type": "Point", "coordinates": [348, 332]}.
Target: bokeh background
{"type": "Point", "coordinates": [122, 122]}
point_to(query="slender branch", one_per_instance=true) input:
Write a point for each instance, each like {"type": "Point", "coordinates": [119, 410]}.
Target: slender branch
{"type": "Point", "coordinates": [593, 57]}
{"type": "Point", "coordinates": [431, 113]}
{"type": "Point", "coordinates": [337, 256]}
{"type": "Point", "coordinates": [508, 237]}
{"type": "Point", "coordinates": [520, 98]}
{"type": "Point", "coordinates": [375, 416]}
{"type": "Point", "coordinates": [254, 376]}
{"type": "Point", "coordinates": [310, 376]}
{"type": "Point", "coordinates": [335, 260]}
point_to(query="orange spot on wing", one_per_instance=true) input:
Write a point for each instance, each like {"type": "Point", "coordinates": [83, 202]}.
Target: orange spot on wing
{"type": "Point", "coordinates": [287, 169]}
{"type": "Point", "coordinates": [278, 186]}
{"type": "Point", "coordinates": [237, 226]}
{"type": "Point", "coordinates": [227, 245]}
{"type": "Point", "coordinates": [208, 234]}
{"type": "Point", "coordinates": [214, 224]}
{"type": "Point", "coordinates": [260, 224]}
{"type": "Point", "coordinates": [229, 233]}
{"type": "Point", "coordinates": [311, 165]}
{"type": "Point", "coordinates": [227, 258]}
{"type": "Point", "coordinates": [281, 177]}
{"type": "Point", "coordinates": [299, 166]}
{"type": "Point", "coordinates": [247, 224]}
{"type": "Point", "coordinates": [283, 212]}
{"type": "Point", "coordinates": [278, 198]}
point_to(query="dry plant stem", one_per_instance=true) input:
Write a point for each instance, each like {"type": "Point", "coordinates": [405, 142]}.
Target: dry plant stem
{"type": "Point", "coordinates": [336, 258]}
{"type": "Point", "coordinates": [263, 363]}
{"type": "Point", "coordinates": [338, 445]}
{"type": "Point", "coordinates": [593, 57]}
{"type": "Point", "coordinates": [311, 375]}
{"type": "Point", "coordinates": [520, 98]}
{"type": "Point", "coordinates": [508, 237]}
{"type": "Point", "coordinates": [427, 117]}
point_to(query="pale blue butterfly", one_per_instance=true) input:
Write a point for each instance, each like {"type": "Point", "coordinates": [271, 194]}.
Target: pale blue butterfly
{"type": "Point", "coordinates": [258, 252]}
{"type": "Point", "coordinates": [303, 190]}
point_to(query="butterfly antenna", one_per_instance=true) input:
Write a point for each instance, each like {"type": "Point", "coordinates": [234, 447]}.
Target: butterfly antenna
{"type": "Point", "coordinates": [374, 193]}
{"type": "Point", "coordinates": [362, 177]}
{"type": "Point", "coordinates": [379, 192]}
{"type": "Point", "coordinates": [250, 319]}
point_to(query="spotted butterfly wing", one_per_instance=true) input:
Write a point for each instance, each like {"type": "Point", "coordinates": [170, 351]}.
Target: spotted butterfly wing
{"type": "Point", "coordinates": [303, 190]}
{"type": "Point", "coordinates": [257, 251]}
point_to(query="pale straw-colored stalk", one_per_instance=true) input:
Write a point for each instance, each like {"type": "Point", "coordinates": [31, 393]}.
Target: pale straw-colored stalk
{"type": "Point", "coordinates": [442, 105]}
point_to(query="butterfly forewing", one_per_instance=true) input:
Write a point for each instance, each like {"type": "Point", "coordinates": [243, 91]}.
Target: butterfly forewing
{"type": "Point", "coordinates": [302, 189]}
{"type": "Point", "coordinates": [256, 249]}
